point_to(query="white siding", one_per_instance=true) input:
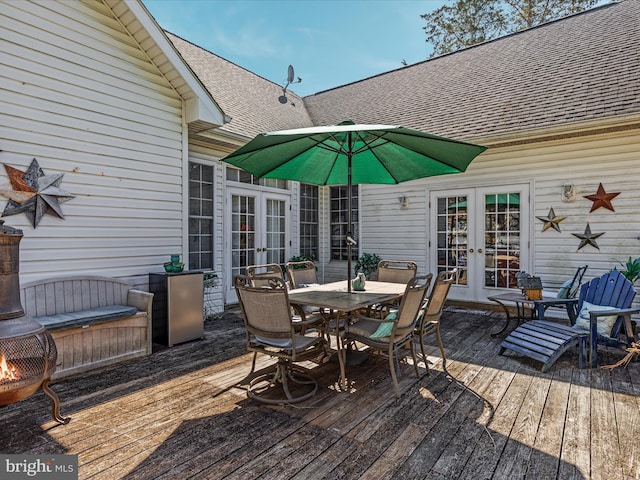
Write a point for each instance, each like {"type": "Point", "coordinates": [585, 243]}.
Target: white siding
{"type": "Point", "coordinates": [612, 158]}
{"type": "Point", "coordinates": [80, 96]}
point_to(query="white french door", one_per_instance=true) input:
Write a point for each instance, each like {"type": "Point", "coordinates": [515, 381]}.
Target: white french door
{"type": "Point", "coordinates": [257, 232]}
{"type": "Point", "coordinates": [484, 233]}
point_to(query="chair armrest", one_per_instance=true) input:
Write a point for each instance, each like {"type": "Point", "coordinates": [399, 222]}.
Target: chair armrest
{"type": "Point", "coordinates": [556, 301]}
{"type": "Point", "coordinates": [617, 312]}
{"type": "Point", "coordinates": [143, 301]}
{"type": "Point", "coordinates": [373, 319]}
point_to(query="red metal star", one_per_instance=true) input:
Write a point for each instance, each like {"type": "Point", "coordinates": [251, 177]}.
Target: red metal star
{"type": "Point", "coordinates": [602, 199]}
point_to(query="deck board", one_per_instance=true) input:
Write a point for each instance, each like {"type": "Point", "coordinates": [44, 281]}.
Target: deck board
{"type": "Point", "coordinates": [183, 413]}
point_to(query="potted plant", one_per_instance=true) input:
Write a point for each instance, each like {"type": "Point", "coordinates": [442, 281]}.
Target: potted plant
{"type": "Point", "coordinates": [303, 258]}
{"type": "Point", "coordinates": [631, 269]}
{"type": "Point", "coordinates": [367, 264]}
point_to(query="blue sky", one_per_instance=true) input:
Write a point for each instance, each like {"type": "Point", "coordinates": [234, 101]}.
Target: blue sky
{"type": "Point", "coordinates": [329, 42]}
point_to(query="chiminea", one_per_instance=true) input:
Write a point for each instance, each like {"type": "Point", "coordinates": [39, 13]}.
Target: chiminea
{"type": "Point", "coordinates": [27, 351]}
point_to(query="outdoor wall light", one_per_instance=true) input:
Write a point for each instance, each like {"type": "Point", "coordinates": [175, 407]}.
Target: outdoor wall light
{"type": "Point", "coordinates": [568, 192]}
{"type": "Point", "coordinates": [404, 202]}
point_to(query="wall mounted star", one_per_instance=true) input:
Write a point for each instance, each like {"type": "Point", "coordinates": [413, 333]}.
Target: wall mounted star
{"type": "Point", "coordinates": [551, 221]}
{"type": "Point", "coordinates": [602, 199]}
{"type": "Point", "coordinates": [588, 238]}
{"type": "Point", "coordinates": [34, 193]}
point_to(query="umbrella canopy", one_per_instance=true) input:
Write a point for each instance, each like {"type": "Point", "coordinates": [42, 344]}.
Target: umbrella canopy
{"type": "Point", "coordinates": [351, 154]}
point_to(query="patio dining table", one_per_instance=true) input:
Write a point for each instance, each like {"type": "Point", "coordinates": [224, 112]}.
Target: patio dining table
{"type": "Point", "coordinates": [336, 298]}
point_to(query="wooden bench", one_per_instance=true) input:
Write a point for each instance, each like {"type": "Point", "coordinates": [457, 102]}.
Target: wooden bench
{"type": "Point", "coordinates": [95, 321]}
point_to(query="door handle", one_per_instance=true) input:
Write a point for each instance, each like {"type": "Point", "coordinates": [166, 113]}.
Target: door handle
{"type": "Point", "coordinates": [471, 250]}
{"type": "Point", "coordinates": [479, 250]}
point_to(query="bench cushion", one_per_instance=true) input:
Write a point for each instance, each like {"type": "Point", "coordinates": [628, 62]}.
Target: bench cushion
{"type": "Point", "coordinates": [86, 317]}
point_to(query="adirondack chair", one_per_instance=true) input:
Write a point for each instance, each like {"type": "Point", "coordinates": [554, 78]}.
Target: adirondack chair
{"type": "Point", "coordinates": [604, 309]}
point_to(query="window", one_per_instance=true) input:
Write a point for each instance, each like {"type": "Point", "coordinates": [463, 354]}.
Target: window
{"type": "Point", "coordinates": [309, 220]}
{"type": "Point", "coordinates": [238, 175]}
{"type": "Point", "coordinates": [340, 221]}
{"type": "Point", "coordinates": [200, 216]}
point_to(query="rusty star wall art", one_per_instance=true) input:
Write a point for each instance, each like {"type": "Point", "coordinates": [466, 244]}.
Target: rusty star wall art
{"type": "Point", "coordinates": [602, 199]}
{"type": "Point", "coordinates": [588, 238]}
{"type": "Point", "coordinates": [551, 221]}
{"type": "Point", "coordinates": [34, 193]}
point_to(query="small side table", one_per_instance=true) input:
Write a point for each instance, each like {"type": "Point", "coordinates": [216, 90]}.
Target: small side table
{"type": "Point", "coordinates": [524, 311]}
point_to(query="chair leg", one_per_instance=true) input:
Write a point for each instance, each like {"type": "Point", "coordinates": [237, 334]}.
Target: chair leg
{"type": "Point", "coordinates": [394, 377]}
{"type": "Point", "coordinates": [424, 356]}
{"type": "Point", "coordinates": [439, 339]}
{"type": "Point", "coordinates": [413, 354]}
{"type": "Point", "coordinates": [253, 363]}
{"type": "Point", "coordinates": [284, 373]}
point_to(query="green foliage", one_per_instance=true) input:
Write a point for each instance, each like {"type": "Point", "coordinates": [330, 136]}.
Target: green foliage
{"type": "Point", "coordinates": [367, 264]}
{"type": "Point", "coordinates": [303, 258]}
{"type": "Point", "coordinates": [469, 22]}
{"type": "Point", "coordinates": [631, 269]}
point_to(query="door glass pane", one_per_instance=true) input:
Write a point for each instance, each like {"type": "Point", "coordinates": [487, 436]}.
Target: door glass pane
{"type": "Point", "coordinates": [242, 233]}
{"type": "Point", "coordinates": [452, 236]}
{"type": "Point", "coordinates": [502, 239]}
{"type": "Point", "coordinates": [275, 232]}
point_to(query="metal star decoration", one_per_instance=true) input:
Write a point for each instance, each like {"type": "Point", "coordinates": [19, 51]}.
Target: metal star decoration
{"type": "Point", "coordinates": [602, 199]}
{"type": "Point", "coordinates": [34, 193]}
{"type": "Point", "coordinates": [588, 238]}
{"type": "Point", "coordinates": [551, 221]}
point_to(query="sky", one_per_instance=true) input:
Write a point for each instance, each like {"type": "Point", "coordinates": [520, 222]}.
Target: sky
{"type": "Point", "coordinates": [328, 42]}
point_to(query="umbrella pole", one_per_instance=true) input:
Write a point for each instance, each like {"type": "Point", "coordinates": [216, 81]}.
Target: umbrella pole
{"type": "Point", "coordinates": [350, 227]}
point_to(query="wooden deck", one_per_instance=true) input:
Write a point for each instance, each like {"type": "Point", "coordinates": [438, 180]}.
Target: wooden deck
{"type": "Point", "coordinates": [183, 413]}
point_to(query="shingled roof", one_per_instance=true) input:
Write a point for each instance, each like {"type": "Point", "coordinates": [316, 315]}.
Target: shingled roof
{"type": "Point", "coordinates": [254, 103]}
{"type": "Point", "coordinates": [583, 67]}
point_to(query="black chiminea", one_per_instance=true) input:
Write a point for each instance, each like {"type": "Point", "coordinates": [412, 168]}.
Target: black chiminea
{"type": "Point", "coordinates": [27, 351]}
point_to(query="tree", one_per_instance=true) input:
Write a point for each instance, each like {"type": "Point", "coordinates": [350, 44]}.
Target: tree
{"type": "Point", "coordinates": [469, 22]}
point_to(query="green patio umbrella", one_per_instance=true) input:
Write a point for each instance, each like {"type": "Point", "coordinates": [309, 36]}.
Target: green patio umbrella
{"type": "Point", "coordinates": [351, 154]}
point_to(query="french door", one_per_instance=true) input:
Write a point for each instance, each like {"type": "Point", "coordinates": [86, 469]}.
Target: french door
{"type": "Point", "coordinates": [257, 232]}
{"type": "Point", "coordinates": [484, 233]}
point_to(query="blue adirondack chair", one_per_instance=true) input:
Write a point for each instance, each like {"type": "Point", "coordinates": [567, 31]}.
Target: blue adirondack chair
{"type": "Point", "coordinates": [604, 308]}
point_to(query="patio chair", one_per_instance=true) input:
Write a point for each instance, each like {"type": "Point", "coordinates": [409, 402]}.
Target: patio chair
{"type": "Point", "coordinates": [393, 271]}
{"type": "Point", "coordinates": [270, 330]}
{"type": "Point", "coordinates": [568, 290]}
{"type": "Point", "coordinates": [429, 317]}
{"type": "Point", "coordinates": [303, 274]}
{"type": "Point", "coordinates": [260, 274]}
{"type": "Point", "coordinates": [395, 331]}
{"type": "Point", "coordinates": [604, 309]}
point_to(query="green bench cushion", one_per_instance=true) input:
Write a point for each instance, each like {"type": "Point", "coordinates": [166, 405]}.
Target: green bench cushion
{"type": "Point", "coordinates": [86, 317]}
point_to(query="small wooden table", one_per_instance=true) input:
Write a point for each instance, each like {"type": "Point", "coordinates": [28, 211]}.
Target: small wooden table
{"type": "Point", "coordinates": [335, 297]}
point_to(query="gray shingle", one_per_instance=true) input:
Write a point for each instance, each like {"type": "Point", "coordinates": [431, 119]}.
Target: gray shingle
{"type": "Point", "coordinates": [583, 67]}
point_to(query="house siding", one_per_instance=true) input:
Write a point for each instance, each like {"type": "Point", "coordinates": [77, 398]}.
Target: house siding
{"type": "Point", "coordinates": [80, 97]}
{"type": "Point", "coordinates": [612, 159]}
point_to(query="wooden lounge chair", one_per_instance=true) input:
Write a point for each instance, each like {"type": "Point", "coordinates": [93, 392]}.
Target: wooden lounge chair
{"type": "Point", "coordinates": [603, 310]}
{"type": "Point", "coordinates": [390, 334]}
{"type": "Point", "coordinates": [270, 330]}
{"type": "Point", "coordinates": [429, 318]}
{"type": "Point", "coordinates": [569, 290]}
